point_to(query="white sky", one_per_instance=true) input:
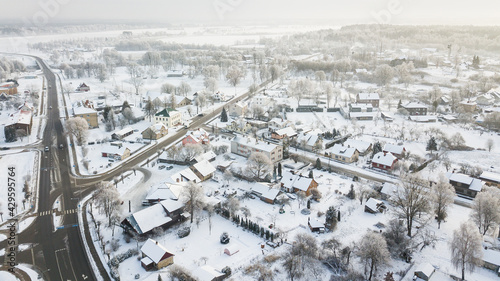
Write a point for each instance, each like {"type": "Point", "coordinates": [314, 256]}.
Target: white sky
{"type": "Point", "coordinates": [479, 12]}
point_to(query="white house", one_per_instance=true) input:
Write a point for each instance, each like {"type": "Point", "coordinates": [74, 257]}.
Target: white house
{"type": "Point", "coordinates": [168, 117]}
{"type": "Point", "coordinates": [244, 146]}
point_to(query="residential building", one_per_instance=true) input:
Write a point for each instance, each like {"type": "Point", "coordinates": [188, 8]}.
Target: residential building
{"type": "Point", "coordinates": [345, 154]}
{"type": "Point", "coordinates": [424, 271]}
{"type": "Point", "coordinates": [155, 256]}
{"type": "Point", "coordinates": [169, 117]}
{"type": "Point", "coordinates": [23, 119]}
{"type": "Point", "coordinates": [368, 98]}
{"type": "Point", "coordinates": [311, 140]}
{"type": "Point", "coordinates": [465, 185]}
{"type": "Point", "coordinates": [155, 132]}
{"type": "Point", "coordinates": [9, 88]}
{"type": "Point", "coordinates": [238, 109]}
{"type": "Point", "coordinates": [198, 136]}
{"type": "Point", "coordinates": [416, 108]}
{"type": "Point", "coordinates": [384, 161]}
{"type": "Point", "coordinates": [285, 133]}
{"type": "Point", "coordinates": [83, 88]}
{"type": "Point", "coordinates": [279, 123]}
{"type": "Point", "coordinates": [208, 273]}
{"type": "Point", "coordinates": [123, 133]}
{"type": "Point", "coordinates": [374, 206]}
{"type": "Point", "coordinates": [468, 106]}
{"type": "Point", "coordinates": [115, 152]}
{"type": "Point", "coordinates": [145, 220]}
{"type": "Point", "coordinates": [361, 111]}
{"type": "Point", "coordinates": [363, 147]}
{"type": "Point", "coordinates": [203, 170]}
{"type": "Point", "coordinates": [245, 146]}
{"type": "Point", "coordinates": [397, 150]}
{"type": "Point", "coordinates": [291, 182]}
{"type": "Point", "coordinates": [490, 178]}
{"type": "Point", "coordinates": [266, 192]}
{"type": "Point", "coordinates": [88, 114]}
{"type": "Point", "coordinates": [239, 126]}
{"type": "Point", "coordinates": [491, 260]}
{"type": "Point", "coordinates": [315, 225]}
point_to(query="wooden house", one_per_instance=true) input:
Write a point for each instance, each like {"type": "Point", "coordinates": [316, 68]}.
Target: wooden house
{"type": "Point", "coordinates": [155, 256]}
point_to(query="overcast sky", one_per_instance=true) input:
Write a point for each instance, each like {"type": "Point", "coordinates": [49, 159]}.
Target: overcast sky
{"type": "Point", "coordinates": [340, 12]}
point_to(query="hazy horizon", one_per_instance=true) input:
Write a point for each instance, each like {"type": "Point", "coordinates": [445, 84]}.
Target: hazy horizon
{"type": "Point", "coordinates": [425, 12]}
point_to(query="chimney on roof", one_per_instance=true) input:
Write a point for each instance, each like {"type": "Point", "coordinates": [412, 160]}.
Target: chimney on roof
{"type": "Point", "coordinates": [156, 242]}
{"type": "Point", "coordinates": [385, 153]}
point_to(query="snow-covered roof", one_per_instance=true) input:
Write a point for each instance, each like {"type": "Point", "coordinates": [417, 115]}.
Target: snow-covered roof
{"type": "Point", "coordinates": [114, 150]}
{"type": "Point", "coordinates": [251, 142]}
{"type": "Point", "coordinates": [426, 268]}
{"type": "Point", "coordinates": [265, 191]}
{"type": "Point", "coordinates": [461, 178]}
{"type": "Point", "coordinates": [373, 204]}
{"type": "Point", "coordinates": [187, 173]}
{"type": "Point", "coordinates": [232, 249]}
{"type": "Point", "coordinates": [172, 205]}
{"type": "Point", "coordinates": [362, 106]}
{"type": "Point", "coordinates": [386, 159]}
{"type": "Point", "coordinates": [154, 250]}
{"type": "Point", "coordinates": [149, 218]}
{"type": "Point", "coordinates": [491, 256]}
{"type": "Point", "coordinates": [394, 148]}
{"type": "Point", "coordinates": [314, 223]}
{"type": "Point", "coordinates": [124, 131]}
{"type": "Point", "coordinates": [288, 131]}
{"type": "Point", "coordinates": [362, 114]}
{"type": "Point", "coordinates": [341, 150]}
{"type": "Point", "coordinates": [360, 145]}
{"type": "Point", "coordinates": [302, 183]}
{"type": "Point", "coordinates": [204, 167]}
{"type": "Point", "coordinates": [490, 176]}
{"type": "Point", "coordinates": [24, 118]}
{"type": "Point", "coordinates": [83, 110]}
{"type": "Point", "coordinates": [423, 118]}
{"type": "Point", "coordinates": [368, 96]}
{"type": "Point", "coordinates": [146, 261]}
{"type": "Point", "coordinates": [165, 191]}
{"type": "Point", "coordinates": [206, 273]}
{"type": "Point", "coordinates": [415, 105]}
{"type": "Point", "coordinates": [205, 156]}
{"type": "Point", "coordinates": [389, 189]}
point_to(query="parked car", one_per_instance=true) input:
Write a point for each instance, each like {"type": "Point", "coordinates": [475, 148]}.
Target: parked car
{"type": "Point", "coordinates": [161, 167]}
{"type": "Point", "coordinates": [170, 167]}
{"type": "Point", "coordinates": [224, 238]}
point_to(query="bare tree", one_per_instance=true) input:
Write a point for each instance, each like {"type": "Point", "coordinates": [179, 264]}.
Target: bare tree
{"type": "Point", "coordinates": [191, 150]}
{"type": "Point", "coordinates": [383, 74]}
{"type": "Point", "coordinates": [135, 72]}
{"type": "Point", "coordinates": [183, 88]}
{"type": "Point", "coordinates": [301, 87]}
{"type": "Point", "coordinates": [442, 194]}
{"type": "Point", "coordinates": [485, 209]}
{"type": "Point", "coordinates": [233, 205]}
{"type": "Point", "coordinates": [275, 72]}
{"type": "Point", "coordinates": [373, 252]}
{"type": "Point", "coordinates": [107, 199]}
{"type": "Point", "coordinates": [227, 176]}
{"type": "Point", "coordinates": [466, 248]}
{"type": "Point", "coordinates": [168, 88]}
{"type": "Point", "coordinates": [211, 84]}
{"type": "Point", "coordinates": [193, 197]}
{"type": "Point", "coordinates": [149, 108]}
{"type": "Point", "coordinates": [234, 76]}
{"type": "Point", "coordinates": [259, 164]}
{"type": "Point", "coordinates": [490, 144]}
{"type": "Point", "coordinates": [301, 258]}
{"type": "Point", "coordinates": [210, 213]}
{"type": "Point", "coordinates": [411, 200]}
{"type": "Point", "coordinates": [78, 127]}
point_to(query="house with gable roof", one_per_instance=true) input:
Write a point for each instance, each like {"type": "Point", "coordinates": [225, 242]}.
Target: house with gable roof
{"type": "Point", "coordinates": [155, 132]}
{"type": "Point", "coordinates": [465, 185]}
{"type": "Point", "coordinates": [345, 154]}
{"type": "Point", "coordinates": [291, 182]}
{"type": "Point", "coordinates": [198, 136]}
{"type": "Point", "coordinates": [368, 98]}
{"type": "Point", "coordinates": [384, 161]}
{"type": "Point", "coordinates": [203, 170]}
{"type": "Point", "coordinates": [244, 146]}
{"type": "Point", "coordinates": [155, 256]}
{"type": "Point", "coordinates": [169, 117]}
{"type": "Point", "coordinates": [397, 150]}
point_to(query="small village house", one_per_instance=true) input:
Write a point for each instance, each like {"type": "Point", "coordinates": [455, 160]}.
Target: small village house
{"type": "Point", "coordinates": [155, 132]}
{"type": "Point", "coordinates": [368, 98]}
{"type": "Point", "coordinates": [123, 133]}
{"type": "Point", "coordinates": [424, 271]}
{"type": "Point", "coordinates": [465, 185]}
{"type": "Point", "coordinates": [294, 183]}
{"type": "Point", "coordinates": [89, 114]}
{"type": "Point", "coordinates": [198, 136]}
{"type": "Point", "coordinates": [169, 117]}
{"type": "Point", "coordinates": [8, 88]}
{"type": "Point", "coordinates": [83, 88]}
{"type": "Point", "coordinates": [155, 256]}
{"type": "Point", "coordinates": [416, 108]}
{"type": "Point", "coordinates": [116, 153]}
{"type": "Point", "coordinates": [345, 154]}
{"type": "Point", "coordinates": [384, 161]}
{"type": "Point", "coordinates": [204, 170]}
{"type": "Point", "coordinates": [244, 146]}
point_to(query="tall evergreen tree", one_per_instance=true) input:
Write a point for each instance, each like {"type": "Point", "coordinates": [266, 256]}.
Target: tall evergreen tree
{"type": "Point", "coordinates": [431, 144]}
{"type": "Point", "coordinates": [125, 105]}
{"type": "Point", "coordinates": [223, 115]}
{"type": "Point", "coordinates": [279, 169]}
{"type": "Point", "coordinates": [377, 147]}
